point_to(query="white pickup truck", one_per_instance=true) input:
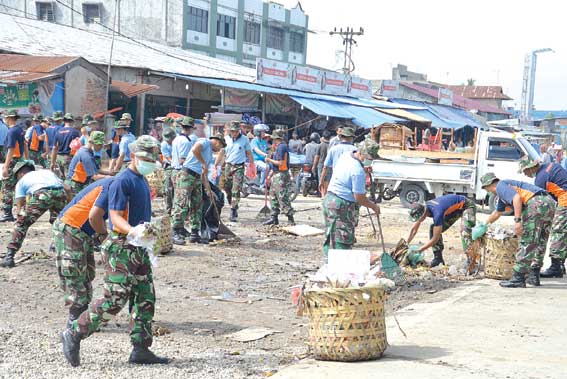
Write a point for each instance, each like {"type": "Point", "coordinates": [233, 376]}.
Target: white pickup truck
{"type": "Point", "coordinates": [418, 178]}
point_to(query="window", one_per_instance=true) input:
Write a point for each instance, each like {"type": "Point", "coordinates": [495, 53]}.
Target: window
{"type": "Point", "coordinates": [45, 11]}
{"type": "Point", "coordinates": [252, 32]}
{"type": "Point", "coordinates": [198, 20]}
{"type": "Point", "coordinates": [296, 42]}
{"type": "Point", "coordinates": [91, 13]}
{"type": "Point", "coordinates": [226, 26]}
{"type": "Point", "coordinates": [503, 150]}
{"type": "Point", "coordinates": [275, 38]}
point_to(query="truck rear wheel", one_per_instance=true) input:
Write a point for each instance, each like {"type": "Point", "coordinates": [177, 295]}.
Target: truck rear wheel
{"type": "Point", "coordinates": [411, 194]}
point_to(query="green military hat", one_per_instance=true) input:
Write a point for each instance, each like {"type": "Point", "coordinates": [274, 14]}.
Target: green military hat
{"type": "Point", "coordinates": [119, 125]}
{"type": "Point", "coordinates": [220, 137]}
{"type": "Point", "coordinates": [37, 117]}
{"type": "Point", "coordinates": [68, 117]}
{"type": "Point", "coordinates": [126, 116]}
{"type": "Point", "coordinates": [234, 126]}
{"type": "Point", "coordinates": [87, 119]}
{"type": "Point", "coordinates": [22, 164]}
{"type": "Point", "coordinates": [277, 134]}
{"type": "Point", "coordinates": [97, 138]}
{"type": "Point", "coordinates": [57, 116]}
{"type": "Point", "coordinates": [416, 211]}
{"type": "Point", "coordinates": [526, 162]}
{"type": "Point", "coordinates": [169, 133]}
{"type": "Point", "coordinates": [347, 132]}
{"type": "Point", "coordinates": [487, 179]}
{"type": "Point", "coordinates": [12, 113]}
{"type": "Point", "coordinates": [145, 147]}
{"type": "Point", "coordinates": [186, 121]}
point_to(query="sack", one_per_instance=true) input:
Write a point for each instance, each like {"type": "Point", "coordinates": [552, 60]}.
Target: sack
{"type": "Point", "coordinates": [250, 170]}
{"type": "Point", "coordinates": [479, 230]}
{"type": "Point", "coordinates": [75, 144]}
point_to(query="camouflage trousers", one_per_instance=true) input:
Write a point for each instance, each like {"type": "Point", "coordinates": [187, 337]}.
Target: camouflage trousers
{"type": "Point", "coordinates": [43, 200]}
{"type": "Point", "coordinates": [558, 238]}
{"type": "Point", "coordinates": [75, 265]}
{"type": "Point", "coordinates": [75, 187]}
{"type": "Point", "coordinates": [168, 174]}
{"type": "Point", "coordinates": [279, 194]}
{"type": "Point", "coordinates": [38, 159]}
{"type": "Point", "coordinates": [8, 187]}
{"type": "Point", "coordinates": [128, 277]}
{"type": "Point", "coordinates": [62, 165]}
{"type": "Point", "coordinates": [188, 199]}
{"type": "Point", "coordinates": [233, 181]}
{"type": "Point", "coordinates": [339, 215]}
{"type": "Point", "coordinates": [468, 221]}
{"type": "Point", "coordinates": [537, 216]}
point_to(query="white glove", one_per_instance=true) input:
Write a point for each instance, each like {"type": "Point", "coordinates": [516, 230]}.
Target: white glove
{"type": "Point", "coordinates": [141, 236]}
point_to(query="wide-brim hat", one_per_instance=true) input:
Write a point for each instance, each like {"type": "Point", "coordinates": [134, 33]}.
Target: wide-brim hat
{"type": "Point", "coordinates": [416, 211]}
{"type": "Point", "coordinates": [487, 179]}
{"type": "Point", "coordinates": [12, 113]}
{"type": "Point", "coordinates": [527, 163]}
{"type": "Point", "coordinates": [145, 146]}
{"type": "Point", "coordinates": [186, 122]}
{"type": "Point", "coordinates": [169, 133]}
{"type": "Point", "coordinates": [277, 134]}
{"type": "Point", "coordinates": [22, 164]}
{"type": "Point", "coordinates": [57, 116]}
{"type": "Point", "coordinates": [220, 137]}
{"type": "Point", "coordinates": [347, 132]}
{"type": "Point", "coordinates": [97, 138]}
{"type": "Point", "coordinates": [68, 117]}
{"type": "Point", "coordinates": [126, 116]}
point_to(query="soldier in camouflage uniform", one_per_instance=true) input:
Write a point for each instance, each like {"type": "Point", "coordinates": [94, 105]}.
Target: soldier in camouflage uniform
{"type": "Point", "coordinates": [346, 189]}
{"type": "Point", "coordinates": [445, 211]}
{"type": "Point", "coordinates": [371, 145]}
{"type": "Point", "coordinates": [280, 182]}
{"type": "Point", "coordinates": [35, 138]}
{"type": "Point", "coordinates": [80, 227]}
{"type": "Point", "coordinates": [46, 193]}
{"type": "Point", "coordinates": [553, 178]}
{"type": "Point", "coordinates": [168, 137]}
{"type": "Point", "coordinates": [533, 215]}
{"type": "Point", "coordinates": [62, 153]}
{"type": "Point", "coordinates": [128, 268]}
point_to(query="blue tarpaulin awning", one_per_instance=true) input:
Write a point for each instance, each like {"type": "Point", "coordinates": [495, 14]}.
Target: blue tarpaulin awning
{"type": "Point", "coordinates": [436, 121]}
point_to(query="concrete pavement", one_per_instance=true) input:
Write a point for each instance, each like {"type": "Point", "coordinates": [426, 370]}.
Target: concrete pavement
{"type": "Point", "coordinates": [478, 330]}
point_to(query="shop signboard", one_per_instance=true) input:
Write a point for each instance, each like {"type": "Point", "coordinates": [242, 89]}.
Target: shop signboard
{"type": "Point", "coordinates": [390, 88]}
{"type": "Point", "coordinates": [445, 96]}
{"type": "Point", "coordinates": [240, 100]}
{"type": "Point", "coordinates": [32, 98]}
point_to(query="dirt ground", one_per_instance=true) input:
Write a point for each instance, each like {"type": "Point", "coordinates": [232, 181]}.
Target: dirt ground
{"type": "Point", "coordinates": [204, 293]}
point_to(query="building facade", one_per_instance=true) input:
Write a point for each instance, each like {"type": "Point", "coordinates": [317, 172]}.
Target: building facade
{"type": "Point", "coordinates": [237, 31]}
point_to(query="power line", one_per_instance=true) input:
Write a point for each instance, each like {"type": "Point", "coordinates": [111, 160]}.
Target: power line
{"type": "Point", "coordinates": [348, 40]}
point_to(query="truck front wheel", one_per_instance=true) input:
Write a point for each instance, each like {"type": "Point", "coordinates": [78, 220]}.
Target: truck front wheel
{"type": "Point", "coordinates": [411, 194]}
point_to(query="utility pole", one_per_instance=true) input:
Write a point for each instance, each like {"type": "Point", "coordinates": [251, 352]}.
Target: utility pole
{"type": "Point", "coordinates": [528, 84]}
{"type": "Point", "coordinates": [348, 40]}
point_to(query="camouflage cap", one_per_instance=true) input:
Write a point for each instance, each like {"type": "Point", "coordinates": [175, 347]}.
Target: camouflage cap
{"type": "Point", "coordinates": [120, 125]}
{"type": "Point", "coordinates": [169, 133]}
{"type": "Point", "coordinates": [277, 134]}
{"type": "Point", "coordinates": [220, 137]}
{"type": "Point", "coordinates": [57, 116]}
{"type": "Point", "coordinates": [126, 116]}
{"type": "Point", "coordinates": [525, 163]}
{"type": "Point", "coordinates": [87, 119]}
{"type": "Point", "coordinates": [416, 211]}
{"type": "Point", "coordinates": [96, 138]}
{"type": "Point", "coordinates": [68, 117]}
{"type": "Point", "coordinates": [22, 164]}
{"type": "Point", "coordinates": [347, 132]}
{"type": "Point", "coordinates": [12, 113]}
{"type": "Point", "coordinates": [186, 121]}
{"type": "Point", "coordinates": [37, 117]}
{"type": "Point", "coordinates": [234, 126]}
{"type": "Point", "coordinates": [487, 179]}
{"type": "Point", "coordinates": [145, 146]}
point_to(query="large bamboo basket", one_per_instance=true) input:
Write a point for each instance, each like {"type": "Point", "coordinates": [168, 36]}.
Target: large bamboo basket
{"type": "Point", "coordinates": [164, 244]}
{"type": "Point", "coordinates": [156, 181]}
{"type": "Point", "coordinates": [346, 324]}
{"type": "Point", "coordinates": [500, 257]}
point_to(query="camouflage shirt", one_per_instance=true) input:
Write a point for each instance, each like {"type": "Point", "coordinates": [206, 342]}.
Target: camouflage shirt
{"type": "Point", "coordinates": [370, 146]}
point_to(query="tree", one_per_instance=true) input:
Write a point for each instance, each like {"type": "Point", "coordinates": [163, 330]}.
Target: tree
{"type": "Point", "coordinates": [549, 116]}
{"type": "Point", "coordinates": [471, 82]}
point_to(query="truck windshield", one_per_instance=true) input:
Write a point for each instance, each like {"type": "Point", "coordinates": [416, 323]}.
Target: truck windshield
{"type": "Point", "coordinates": [533, 153]}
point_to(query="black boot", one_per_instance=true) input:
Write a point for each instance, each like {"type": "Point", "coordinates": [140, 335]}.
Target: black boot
{"type": "Point", "coordinates": [272, 221]}
{"type": "Point", "coordinates": [291, 220]}
{"type": "Point", "coordinates": [233, 215]}
{"type": "Point", "coordinates": [71, 346]}
{"type": "Point", "coordinates": [177, 238]}
{"type": "Point", "coordinates": [74, 314]}
{"type": "Point", "coordinates": [7, 217]}
{"type": "Point", "coordinates": [143, 356]}
{"type": "Point", "coordinates": [554, 271]}
{"type": "Point", "coordinates": [533, 277]}
{"type": "Point", "coordinates": [196, 238]}
{"type": "Point", "coordinates": [8, 261]}
{"type": "Point", "coordinates": [437, 260]}
{"type": "Point", "coordinates": [518, 281]}
{"type": "Point", "coordinates": [184, 232]}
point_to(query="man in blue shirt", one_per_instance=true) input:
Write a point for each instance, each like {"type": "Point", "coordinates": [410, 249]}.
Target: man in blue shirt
{"type": "Point", "coordinates": [51, 133]}
{"type": "Point", "coordinates": [190, 183]}
{"type": "Point", "coordinates": [533, 215]}
{"type": "Point", "coordinates": [35, 137]}
{"type": "Point", "coordinates": [445, 211]}
{"type": "Point", "coordinates": [260, 151]}
{"type": "Point", "coordinates": [83, 169]}
{"type": "Point", "coordinates": [345, 146]}
{"type": "Point", "coordinates": [346, 189]}
{"type": "Point", "coordinates": [62, 153]}
{"type": "Point", "coordinates": [46, 193]}
{"type": "Point", "coordinates": [128, 268]}
{"type": "Point", "coordinates": [126, 138]}
{"type": "Point", "coordinates": [3, 133]}
{"type": "Point", "coordinates": [166, 154]}
{"type": "Point", "coordinates": [235, 153]}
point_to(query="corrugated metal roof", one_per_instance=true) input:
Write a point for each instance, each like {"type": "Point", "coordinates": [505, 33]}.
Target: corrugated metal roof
{"type": "Point", "coordinates": [24, 77]}
{"type": "Point", "coordinates": [405, 114]}
{"type": "Point", "coordinates": [131, 90]}
{"type": "Point", "coordinates": [436, 121]}
{"type": "Point", "coordinates": [13, 62]}
{"type": "Point", "coordinates": [479, 92]}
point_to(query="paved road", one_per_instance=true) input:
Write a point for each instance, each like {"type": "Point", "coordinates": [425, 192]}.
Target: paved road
{"type": "Point", "coordinates": [475, 331]}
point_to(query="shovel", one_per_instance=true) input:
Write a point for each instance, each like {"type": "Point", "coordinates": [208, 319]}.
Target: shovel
{"type": "Point", "coordinates": [265, 212]}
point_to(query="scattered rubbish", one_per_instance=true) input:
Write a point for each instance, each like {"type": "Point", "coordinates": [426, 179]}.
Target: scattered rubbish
{"type": "Point", "coordinates": [158, 331]}
{"type": "Point", "coordinates": [231, 298]}
{"type": "Point", "coordinates": [252, 334]}
{"type": "Point", "coordinates": [303, 230]}
{"type": "Point", "coordinates": [263, 241]}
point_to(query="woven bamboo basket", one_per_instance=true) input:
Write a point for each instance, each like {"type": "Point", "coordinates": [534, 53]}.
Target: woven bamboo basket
{"type": "Point", "coordinates": [163, 243]}
{"type": "Point", "coordinates": [156, 180]}
{"type": "Point", "coordinates": [500, 257]}
{"type": "Point", "coordinates": [346, 324]}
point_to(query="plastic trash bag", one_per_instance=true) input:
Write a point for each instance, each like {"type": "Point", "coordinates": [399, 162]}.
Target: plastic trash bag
{"type": "Point", "coordinates": [479, 230]}
{"type": "Point", "coordinates": [250, 170]}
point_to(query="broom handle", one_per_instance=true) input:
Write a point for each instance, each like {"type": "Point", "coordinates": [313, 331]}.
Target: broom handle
{"type": "Point", "coordinates": [381, 234]}
{"type": "Point", "coordinates": [266, 186]}
{"type": "Point", "coordinates": [211, 196]}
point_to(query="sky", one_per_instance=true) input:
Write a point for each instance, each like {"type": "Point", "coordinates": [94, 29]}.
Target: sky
{"type": "Point", "coordinates": [450, 41]}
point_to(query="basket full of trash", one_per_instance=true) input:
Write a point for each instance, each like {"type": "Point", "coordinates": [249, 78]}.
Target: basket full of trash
{"type": "Point", "coordinates": [501, 247]}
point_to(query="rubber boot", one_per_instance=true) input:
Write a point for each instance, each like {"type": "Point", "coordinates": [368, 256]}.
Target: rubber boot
{"type": "Point", "coordinates": [233, 215]}
{"type": "Point", "coordinates": [518, 281]}
{"type": "Point", "coordinates": [8, 261]}
{"type": "Point", "coordinates": [71, 346]}
{"type": "Point", "coordinates": [291, 220]}
{"type": "Point", "coordinates": [272, 221]}
{"type": "Point", "coordinates": [554, 271]}
{"type": "Point", "coordinates": [437, 259]}
{"type": "Point", "coordinates": [533, 277]}
{"type": "Point", "coordinates": [143, 356]}
{"type": "Point", "coordinates": [184, 232]}
{"type": "Point", "coordinates": [7, 217]}
{"type": "Point", "coordinates": [177, 237]}
{"type": "Point", "coordinates": [74, 314]}
{"type": "Point", "coordinates": [196, 238]}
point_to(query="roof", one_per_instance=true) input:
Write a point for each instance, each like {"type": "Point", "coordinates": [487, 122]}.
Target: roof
{"type": "Point", "coordinates": [24, 77]}
{"type": "Point", "coordinates": [442, 116]}
{"type": "Point", "coordinates": [33, 37]}
{"type": "Point", "coordinates": [14, 62]}
{"type": "Point", "coordinates": [132, 89]}
{"type": "Point", "coordinates": [479, 92]}
{"type": "Point", "coordinates": [458, 100]}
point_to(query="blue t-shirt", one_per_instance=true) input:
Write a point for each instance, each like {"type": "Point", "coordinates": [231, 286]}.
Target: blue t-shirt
{"type": "Point", "coordinates": [15, 140]}
{"type": "Point", "coordinates": [192, 163]}
{"type": "Point", "coordinates": [51, 133]}
{"type": "Point", "coordinates": [336, 152]}
{"type": "Point", "coordinates": [260, 144]}
{"type": "Point", "coordinates": [129, 192]}
{"type": "Point", "coordinates": [180, 148]}
{"type": "Point", "coordinates": [82, 166]}
{"type": "Point", "coordinates": [76, 213]}
{"type": "Point", "coordinates": [166, 150]}
{"type": "Point", "coordinates": [3, 132]}
{"type": "Point", "coordinates": [64, 138]}
{"type": "Point", "coordinates": [123, 146]}
{"type": "Point", "coordinates": [281, 154]}
{"type": "Point", "coordinates": [348, 178]}
{"type": "Point", "coordinates": [32, 135]}
{"type": "Point", "coordinates": [236, 149]}
{"type": "Point", "coordinates": [507, 189]}
{"type": "Point", "coordinates": [34, 181]}
{"type": "Point", "coordinates": [444, 206]}
{"type": "Point", "coordinates": [553, 178]}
